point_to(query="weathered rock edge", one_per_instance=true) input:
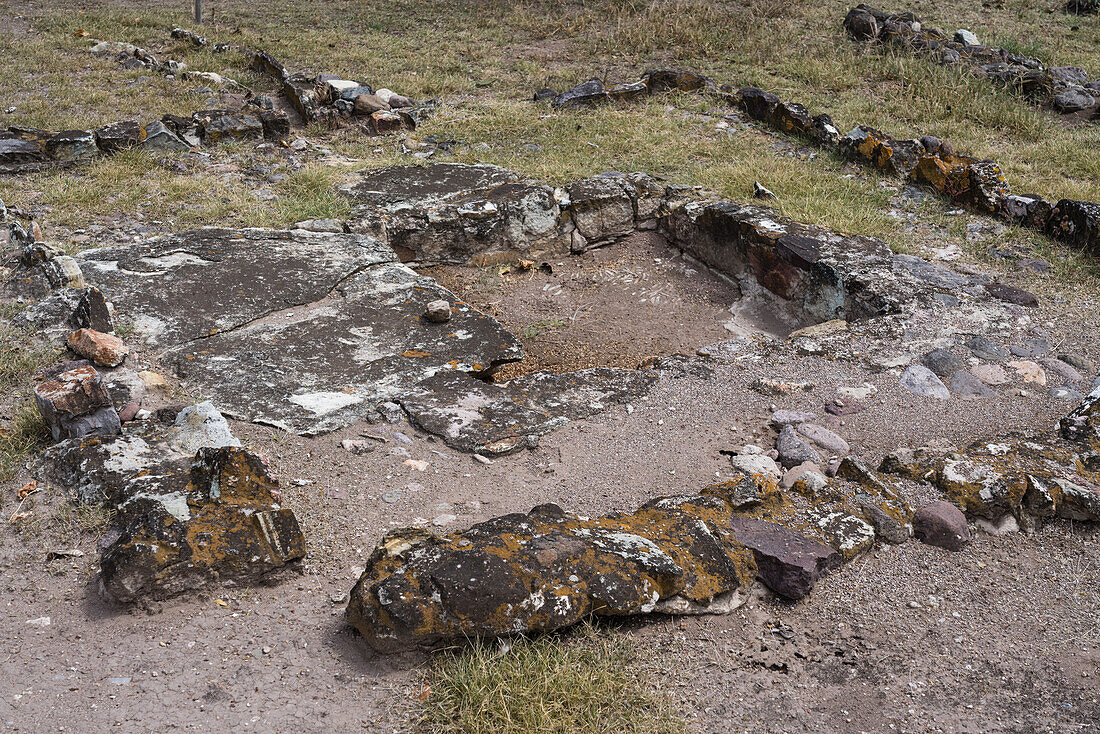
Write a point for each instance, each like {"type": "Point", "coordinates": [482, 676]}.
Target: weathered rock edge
{"type": "Point", "coordinates": [546, 570]}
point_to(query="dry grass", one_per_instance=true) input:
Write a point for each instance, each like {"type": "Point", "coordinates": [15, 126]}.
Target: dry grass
{"type": "Point", "coordinates": [486, 60]}
{"type": "Point", "coordinates": [585, 684]}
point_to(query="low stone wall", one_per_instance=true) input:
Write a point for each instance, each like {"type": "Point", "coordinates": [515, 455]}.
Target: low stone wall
{"type": "Point", "coordinates": [1068, 90]}
{"type": "Point", "coordinates": [927, 161]}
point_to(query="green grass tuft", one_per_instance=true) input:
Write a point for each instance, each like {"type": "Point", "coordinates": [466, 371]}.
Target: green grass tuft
{"type": "Point", "coordinates": [587, 683]}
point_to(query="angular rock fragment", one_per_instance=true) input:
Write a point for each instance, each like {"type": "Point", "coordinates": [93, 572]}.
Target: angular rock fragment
{"type": "Point", "coordinates": [757, 103]}
{"type": "Point", "coordinates": [92, 312]}
{"type": "Point", "coordinates": [71, 146]}
{"type": "Point", "coordinates": [452, 213]}
{"type": "Point", "coordinates": [216, 126]}
{"type": "Point", "coordinates": [106, 350]}
{"type": "Point", "coordinates": [546, 570]}
{"type": "Point", "coordinates": [662, 80]}
{"type": "Point", "coordinates": [588, 94]}
{"type": "Point", "coordinates": [76, 403]}
{"type": "Point", "coordinates": [220, 521]}
{"type": "Point", "coordinates": [159, 138]}
{"type": "Point", "coordinates": [628, 91]}
{"type": "Point", "coordinates": [119, 136]}
{"type": "Point", "coordinates": [787, 562]}
{"type": "Point", "coordinates": [17, 156]}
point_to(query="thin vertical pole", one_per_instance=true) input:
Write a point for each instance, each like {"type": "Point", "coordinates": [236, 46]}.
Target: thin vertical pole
{"type": "Point", "coordinates": [198, 11]}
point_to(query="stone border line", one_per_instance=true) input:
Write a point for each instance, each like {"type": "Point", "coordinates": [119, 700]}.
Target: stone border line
{"type": "Point", "coordinates": [1068, 90]}
{"type": "Point", "coordinates": [325, 98]}
{"type": "Point", "coordinates": [977, 184]}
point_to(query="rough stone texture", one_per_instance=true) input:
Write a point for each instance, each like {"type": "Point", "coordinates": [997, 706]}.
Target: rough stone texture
{"type": "Point", "coordinates": [1077, 223]}
{"type": "Point", "coordinates": [159, 138]}
{"type": "Point", "coordinates": [924, 382]}
{"type": "Point", "coordinates": [546, 570]}
{"type": "Point", "coordinates": [219, 521]}
{"type": "Point", "coordinates": [879, 150]}
{"type": "Point", "coordinates": [119, 136]}
{"type": "Point", "coordinates": [76, 403]}
{"type": "Point", "coordinates": [588, 94]}
{"type": "Point", "coordinates": [472, 415]}
{"type": "Point", "coordinates": [19, 156]}
{"type": "Point", "coordinates": [793, 450]}
{"type": "Point", "coordinates": [91, 312]}
{"type": "Point", "coordinates": [941, 524]}
{"type": "Point", "coordinates": [71, 146]}
{"type": "Point", "coordinates": [663, 80]}
{"type": "Point", "coordinates": [222, 279]}
{"type": "Point", "coordinates": [451, 212]}
{"type": "Point", "coordinates": [216, 126]}
{"type": "Point", "coordinates": [788, 563]}
{"type": "Point", "coordinates": [823, 275]}
{"type": "Point", "coordinates": [609, 206]}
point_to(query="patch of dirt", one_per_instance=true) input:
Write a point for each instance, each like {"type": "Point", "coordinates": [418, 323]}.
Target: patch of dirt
{"type": "Point", "coordinates": [615, 306]}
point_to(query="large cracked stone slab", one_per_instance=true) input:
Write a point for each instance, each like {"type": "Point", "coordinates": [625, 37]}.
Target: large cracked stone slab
{"type": "Point", "coordinates": [307, 331]}
{"type": "Point", "coordinates": [452, 212]}
{"type": "Point", "coordinates": [473, 415]}
{"type": "Point", "coordinates": [316, 369]}
{"type": "Point", "coordinates": [546, 570]}
{"type": "Point", "coordinates": [186, 286]}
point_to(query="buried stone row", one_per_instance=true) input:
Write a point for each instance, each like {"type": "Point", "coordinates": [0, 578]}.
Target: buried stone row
{"type": "Point", "coordinates": [25, 149]}
{"type": "Point", "coordinates": [548, 569]}
{"type": "Point", "coordinates": [1069, 90]}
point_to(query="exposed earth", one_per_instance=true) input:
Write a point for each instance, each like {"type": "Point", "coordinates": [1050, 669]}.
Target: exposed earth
{"type": "Point", "coordinates": [274, 468]}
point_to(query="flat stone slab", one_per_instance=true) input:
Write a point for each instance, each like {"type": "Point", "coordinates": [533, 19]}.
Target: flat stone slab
{"type": "Point", "coordinates": [452, 212]}
{"type": "Point", "coordinates": [472, 415]}
{"type": "Point", "coordinates": [307, 331]}
{"type": "Point", "coordinates": [316, 369]}
{"type": "Point", "coordinates": [186, 286]}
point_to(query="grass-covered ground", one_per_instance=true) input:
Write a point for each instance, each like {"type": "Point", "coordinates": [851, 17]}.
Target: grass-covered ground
{"type": "Point", "coordinates": [484, 59]}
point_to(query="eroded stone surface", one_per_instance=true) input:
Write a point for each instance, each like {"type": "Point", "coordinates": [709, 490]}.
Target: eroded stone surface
{"type": "Point", "coordinates": [450, 212]}
{"type": "Point", "coordinates": [476, 416]}
{"type": "Point", "coordinates": [321, 368]}
{"type": "Point", "coordinates": [222, 279]}
{"type": "Point", "coordinates": [218, 521]}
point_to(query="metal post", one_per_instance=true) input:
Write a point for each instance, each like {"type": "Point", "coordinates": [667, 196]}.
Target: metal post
{"type": "Point", "coordinates": [198, 11]}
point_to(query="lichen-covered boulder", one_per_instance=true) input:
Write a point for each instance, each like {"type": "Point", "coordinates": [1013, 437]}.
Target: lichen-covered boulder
{"type": "Point", "coordinates": [877, 149]}
{"type": "Point", "coordinates": [546, 570]}
{"type": "Point", "coordinates": [219, 521]}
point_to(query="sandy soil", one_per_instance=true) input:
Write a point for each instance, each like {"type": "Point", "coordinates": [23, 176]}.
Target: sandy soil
{"type": "Point", "coordinates": [1011, 643]}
